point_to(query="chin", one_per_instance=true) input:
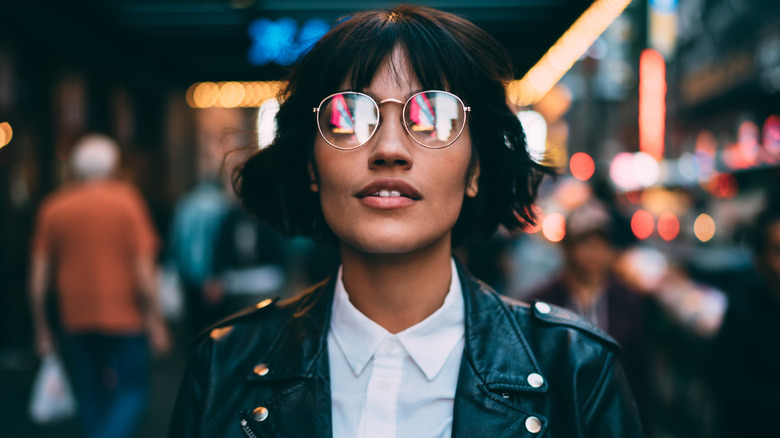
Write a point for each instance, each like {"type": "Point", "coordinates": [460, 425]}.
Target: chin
{"type": "Point", "coordinates": [389, 243]}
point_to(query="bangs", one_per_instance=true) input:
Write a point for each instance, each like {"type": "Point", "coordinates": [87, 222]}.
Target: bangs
{"type": "Point", "coordinates": [365, 41]}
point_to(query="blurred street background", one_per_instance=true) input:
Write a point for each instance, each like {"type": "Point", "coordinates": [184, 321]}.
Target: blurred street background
{"type": "Point", "coordinates": [662, 116]}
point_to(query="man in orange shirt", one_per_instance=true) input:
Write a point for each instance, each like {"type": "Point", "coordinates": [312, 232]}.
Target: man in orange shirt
{"type": "Point", "coordinates": [96, 240]}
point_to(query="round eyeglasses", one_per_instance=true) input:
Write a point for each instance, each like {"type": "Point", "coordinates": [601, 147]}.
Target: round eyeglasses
{"type": "Point", "coordinates": [434, 119]}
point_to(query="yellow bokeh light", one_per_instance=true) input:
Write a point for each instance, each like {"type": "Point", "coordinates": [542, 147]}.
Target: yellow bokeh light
{"type": "Point", "coordinates": [231, 94]}
{"type": "Point", "coordinates": [704, 227]}
{"type": "Point", "coordinates": [6, 133]}
{"type": "Point", "coordinates": [205, 95]}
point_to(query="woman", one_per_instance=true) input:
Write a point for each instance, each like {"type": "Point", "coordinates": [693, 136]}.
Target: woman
{"type": "Point", "coordinates": [395, 143]}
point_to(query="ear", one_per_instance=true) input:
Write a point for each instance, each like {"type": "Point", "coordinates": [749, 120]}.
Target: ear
{"type": "Point", "coordinates": [313, 178]}
{"type": "Point", "coordinates": [472, 188]}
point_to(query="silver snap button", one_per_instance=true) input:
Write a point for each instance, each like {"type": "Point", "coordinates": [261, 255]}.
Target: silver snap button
{"type": "Point", "coordinates": [543, 308]}
{"type": "Point", "coordinates": [535, 380]}
{"type": "Point", "coordinates": [533, 425]}
{"type": "Point", "coordinates": [261, 413]}
{"type": "Point", "coordinates": [261, 369]}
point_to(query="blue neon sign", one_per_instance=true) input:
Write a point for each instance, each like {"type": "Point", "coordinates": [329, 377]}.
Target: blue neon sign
{"type": "Point", "coordinates": [282, 41]}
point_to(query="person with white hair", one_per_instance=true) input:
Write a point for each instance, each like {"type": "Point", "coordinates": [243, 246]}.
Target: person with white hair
{"type": "Point", "coordinates": [96, 241]}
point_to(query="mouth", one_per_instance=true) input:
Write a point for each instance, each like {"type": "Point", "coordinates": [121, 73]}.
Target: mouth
{"type": "Point", "coordinates": [389, 188]}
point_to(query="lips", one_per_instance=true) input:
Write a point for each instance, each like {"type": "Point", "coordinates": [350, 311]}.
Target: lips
{"type": "Point", "coordinates": [389, 188]}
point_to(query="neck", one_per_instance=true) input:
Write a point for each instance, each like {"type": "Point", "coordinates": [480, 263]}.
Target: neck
{"type": "Point", "coordinates": [584, 288]}
{"type": "Point", "coordinates": [397, 291]}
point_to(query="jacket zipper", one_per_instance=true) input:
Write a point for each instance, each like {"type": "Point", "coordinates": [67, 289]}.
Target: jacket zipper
{"type": "Point", "coordinates": [247, 431]}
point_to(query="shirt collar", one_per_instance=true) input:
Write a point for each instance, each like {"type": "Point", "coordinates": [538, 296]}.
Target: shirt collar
{"type": "Point", "coordinates": [429, 343]}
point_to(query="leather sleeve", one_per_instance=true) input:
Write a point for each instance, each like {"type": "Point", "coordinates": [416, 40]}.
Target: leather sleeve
{"type": "Point", "coordinates": [188, 411]}
{"type": "Point", "coordinates": [610, 410]}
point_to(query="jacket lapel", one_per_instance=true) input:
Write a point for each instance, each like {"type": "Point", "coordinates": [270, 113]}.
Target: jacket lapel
{"type": "Point", "coordinates": [294, 372]}
{"type": "Point", "coordinates": [494, 372]}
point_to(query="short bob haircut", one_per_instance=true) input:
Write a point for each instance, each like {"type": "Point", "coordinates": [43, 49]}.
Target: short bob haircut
{"type": "Point", "coordinates": [446, 52]}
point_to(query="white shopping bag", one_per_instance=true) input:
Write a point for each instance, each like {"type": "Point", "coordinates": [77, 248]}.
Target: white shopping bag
{"type": "Point", "coordinates": [52, 398]}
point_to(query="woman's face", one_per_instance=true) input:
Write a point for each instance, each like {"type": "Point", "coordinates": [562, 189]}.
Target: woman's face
{"type": "Point", "coordinates": [391, 195]}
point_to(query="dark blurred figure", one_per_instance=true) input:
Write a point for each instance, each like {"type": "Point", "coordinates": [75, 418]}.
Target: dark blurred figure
{"type": "Point", "coordinates": [195, 229]}
{"type": "Point", "coordinates": [746, 361]}
{"type": "Point", "coordinates": [199, 214]}
{"type": "Point", "coordinates": [250, 263]}
{"type": "Point", "coordinates": [588, 286]}
{"type": "Point", "coordinates": [95, 238]}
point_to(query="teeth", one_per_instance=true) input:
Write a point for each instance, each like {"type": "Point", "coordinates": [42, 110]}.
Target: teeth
{"type": "Point", "coordinates": [387, 193]}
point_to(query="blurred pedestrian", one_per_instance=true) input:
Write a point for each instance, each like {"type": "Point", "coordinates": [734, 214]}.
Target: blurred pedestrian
{"type": "Point", "coordinates": [96, 240]}
{"type": "Point", "coordinates": [395, 144]}
{"type": "Point", "coordinates": [588, 286]}
{"type": "Point", "coordinates": [746, 356]}
{"type": "Point", "coordinates": [250, 263]}
{"type": "Point", "coordinates": [195, 230]}
{"type": "Point", "coordinates": [199, 214]}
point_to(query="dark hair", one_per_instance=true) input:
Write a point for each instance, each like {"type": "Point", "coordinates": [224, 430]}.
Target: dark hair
{"type": "Point", "coordinates": [445, 52]}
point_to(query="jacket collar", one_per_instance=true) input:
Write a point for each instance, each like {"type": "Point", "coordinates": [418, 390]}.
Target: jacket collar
{"type": "Point", "coordinates": [490, 368]}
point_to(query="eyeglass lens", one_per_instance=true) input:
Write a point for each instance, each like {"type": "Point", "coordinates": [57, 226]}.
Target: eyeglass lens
{"type": "Point", "coordinates": [434, 119]}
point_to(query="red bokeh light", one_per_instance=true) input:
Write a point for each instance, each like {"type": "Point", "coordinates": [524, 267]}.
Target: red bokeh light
{"type": "Point", "coordinates": [582, 166]}
{"type": "Point", "coordinates": [725, 186]}
{"type": "Point", "coordinates": [668, 226]}
{"type": "Point", "coordinates": [642, 224]}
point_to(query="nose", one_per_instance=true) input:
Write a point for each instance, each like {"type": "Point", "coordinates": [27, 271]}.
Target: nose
{"type": "Point", "coordinates": [391, 146]}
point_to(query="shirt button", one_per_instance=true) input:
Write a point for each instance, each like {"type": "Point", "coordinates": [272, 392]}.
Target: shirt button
{"type": "Point", "coordinates": [260, 413]}
{"type": "Point", "coordinates": [391, 347]}
{"type": "Point", "coordinates": [535, 380]}
{"type": "Point", "coordinates": [384, 385]}
{"type": "Point", "coordinates": [533, 425]}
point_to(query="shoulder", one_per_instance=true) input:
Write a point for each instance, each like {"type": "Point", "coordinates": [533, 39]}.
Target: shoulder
{"type": "Point", "coordinates": [541, 318]}
{"type": "Point", "coordinates": [255, 325]}
{"type": "Point", "coordinates": [538, 317]}
{"type": "Point", "coordinates": [546, 327]}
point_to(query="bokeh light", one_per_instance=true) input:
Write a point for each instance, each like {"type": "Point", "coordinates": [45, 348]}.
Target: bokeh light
{"type": "Point", "coordinates": [231, 94]}
{"type": "Point", "coordinates": [554, 227]}
{"type": "Point", "coordinates": [642, 224]}
{"type": "Point", "coordinates": [205, 95]}
{"type": "Point", "coordinates": [565, 52]}
{"type": "Point", "coordinates": [644, 169]}
{"type": "Point", "coordinates": [6, 134]}
{"type": "Point", "coordinates": [652, 103]}
{"type": "Point", "coordinates": [535, 128]}
{"type": "Point", "coordinates": [620, 170]}
{"type": "Point", "coordinates": [582, 166]}
{"type": "Point", "coordinates": [668, 226]}
{"type": "Point", "coordinates": [771, 134]}
{"type": "Point", "coordinates": [725, 186]}
{"type": "Point", "coordinates": [704, 227]}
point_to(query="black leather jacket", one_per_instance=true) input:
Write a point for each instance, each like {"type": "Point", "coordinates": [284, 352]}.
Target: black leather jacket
{"type": "Point", "coordinates": [527, 371]}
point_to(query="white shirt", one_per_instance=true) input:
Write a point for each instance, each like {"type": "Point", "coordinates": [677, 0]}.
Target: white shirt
{"type": "Point", "coordinates": [386, 385]}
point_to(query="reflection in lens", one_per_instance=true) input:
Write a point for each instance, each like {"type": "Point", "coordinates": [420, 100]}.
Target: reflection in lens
{"type": "Point", "coordinates": [347, 120]}
{"type": "Point", "coordinates": [434, 119]}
